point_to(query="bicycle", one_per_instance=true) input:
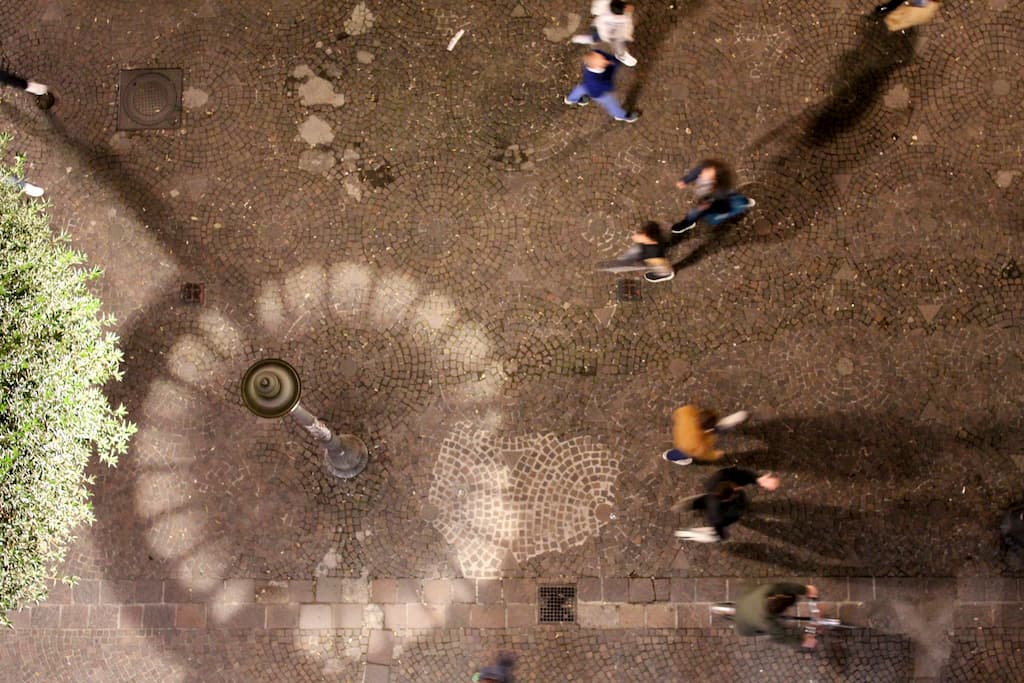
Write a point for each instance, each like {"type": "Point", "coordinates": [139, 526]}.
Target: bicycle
{"type": "Point", "coordinates": [727, 610]}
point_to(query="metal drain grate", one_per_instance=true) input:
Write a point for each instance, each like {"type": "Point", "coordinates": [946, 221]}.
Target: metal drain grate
{"type": "Point", "coordinates": [627, 290]}
{"type": "Point", "coordinates": [149, 99]}
{"type": "Point", "coordinates": [557, 604]}
{"type": "Point", "coordinates": [1011, 271]}
{"type": "Point", "coordinates": [193, 293]}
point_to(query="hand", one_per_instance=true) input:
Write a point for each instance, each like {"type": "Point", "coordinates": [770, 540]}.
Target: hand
{"type": "Point", "coordinates": [769, 482]}
{"type": "Point", "coordinates": [812, 592]}
{"type": "Point", "coordinates": [680, 184]}
{"type": "Point", "coordinates": [810, 641]}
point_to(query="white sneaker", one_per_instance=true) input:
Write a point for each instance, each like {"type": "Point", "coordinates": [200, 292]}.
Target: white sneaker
{"type": "Point", "coordinates": [734, 420]}
{"type": "Point", "coordinates": [627, 59]}
{"type": "Point", "coordinates": [36, 88]}
{"type": "Point", "coordinates": [582, 39]}
{"type": "Point", "coordinates": [32, 190]}
{"type": "Point", "coordinates": [701, 534]}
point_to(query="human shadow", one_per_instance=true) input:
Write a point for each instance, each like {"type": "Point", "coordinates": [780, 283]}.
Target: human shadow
{"type": "Point", "coordinates": [798, 176]}
{"type": "Point", "coordinates": [651, 32]}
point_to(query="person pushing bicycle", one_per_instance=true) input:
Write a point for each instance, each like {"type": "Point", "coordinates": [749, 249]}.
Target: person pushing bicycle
{"type": "Point", "coordinates": [759, 610]}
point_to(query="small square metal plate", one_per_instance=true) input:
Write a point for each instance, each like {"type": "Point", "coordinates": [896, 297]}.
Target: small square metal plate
{"type": "Point", "coordinates": [149, 99]}
{"type": "Point", "coordinates": [193, 293]}
{"type": "Point", "coordinates": [627, 290]}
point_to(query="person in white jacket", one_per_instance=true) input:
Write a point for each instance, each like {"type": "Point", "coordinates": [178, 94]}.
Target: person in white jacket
{"type": "Point", "coordinates": [613, 24]}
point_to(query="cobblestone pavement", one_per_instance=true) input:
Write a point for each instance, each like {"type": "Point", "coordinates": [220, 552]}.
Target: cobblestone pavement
{"type": "Point", "coordinates": [414, 229]}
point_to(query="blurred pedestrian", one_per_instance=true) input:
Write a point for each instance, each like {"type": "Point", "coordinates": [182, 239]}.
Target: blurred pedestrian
{"type": "Point", "coordinates": [7, 78]}
{"type": "Point", "coordinates": [499, 672]}
{"type": "Point", "coordinates": [711, 182]}
{"type": "Point", "coordinates": [647, 252]}
{"type": "Point", "coordinates": [23, 185]}
{"type": "Point", "coordinates": [903, 14]}
{"type": "Point", "coordinates": [758, 611]}
{"type": "Point", "coordinates": [724, 503]}
{"type": "Point", "coordinates": [613, 24]}
{"type": "Point", "coordinates": [694, 432]}
{"type": "Point", "coordinates": [598, 84]}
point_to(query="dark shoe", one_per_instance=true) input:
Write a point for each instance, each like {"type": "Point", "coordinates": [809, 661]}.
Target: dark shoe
{"type": "Point", "coordinates": [683, 227]}
{"type": "Point", "coordinates": [659, 277]}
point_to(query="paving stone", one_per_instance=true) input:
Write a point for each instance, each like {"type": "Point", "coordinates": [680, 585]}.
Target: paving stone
{"type": "Point", "coordinates": [384, 590]}
{"type": "Point", "coordinates": [376, 673]}
{"type": "Point", "coordinates": [104, 616]}
{"type": "Point", "coordinates": [190, 616]}
{"type": "Point", "coordinates": [588, 589]}
{"type": "Point", "coordinates": [238, 591]}
{"type": "Point", "coordinates": [662, 589]}
{"type": "Point", "coordinates": [520, 616]}
{"type": "Point", "coordinates": [711, 590]}
{"type": "Point", "coordinates": [862, 589]}
{"type": "Point", "coordinates": [407, 590]}
{"type": "Point", "coordinates": [74, 616]}
{"type": "Point", "coordinates": [158, 616]}
{"type": "Point", "coordinates": [660, 616]}
{"type": "Point", "coordinates": [237, 615]}
{"type": "Point", "coordinates": [46, 616]}
{"type": "Point", "coordinates": [21, 619]}
{"type": "Point", "coordinates": [615, 589]}
{"type": "Point", "coordinates": [117, 591]}
{"type": "Point", "coordinates": [328, 589]}
{"type": "Point", "coordinates": [974, 616]}
{"type": "Point", "coordinates": [487, 616]}
{"type": "Point", "coordinates": [395, 616]}
{"type": "Point", "coordinates": [437, 592]}
{"type": "Point", "coordinates": [682, 590]}
{"type": "Point", "coordinates": [641, 590]}
{"type": "Point", "coordinates": [525, 590]}
{"type": "Point", "coordinates": [280, 616]}
{"type": "Point", "coordinates": [381, 647]}
{"type": "Point", "coordinates": [58, 593]}
{"type": "Point", "coordinates": [173, 592]}
{"type": "Point", "coordinates": [300, 591]}
{"type": "Point", "coordinates": [631, 616]}
{"type": "Point", "coordinates": [149, 591]}
{"type": "Point", "coordinates": [425, 616]}
{"type": "Point", "coordinates": [459, 615]}
{"type": "Point", "coordinates": [86, 592]}
{"type": "Point", "coordinates": [315, 617]}
{"type": "Point", "coordinates": [267, 593]}
{"type": "Point", "coordinates": [597, 616]}
{"type": "Point", "coordinates": [693, 616]}
{"type": "Point", "coordinates": [347, 616]}
{"type": "Point", "coordinates": [463, 590]}
{"type": "Point", "coordinates": [488, 591]}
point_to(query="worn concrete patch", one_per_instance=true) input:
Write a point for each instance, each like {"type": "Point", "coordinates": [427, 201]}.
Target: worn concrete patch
{"type": "Point", "coordinates": [315, 131]}
{"type": "Point", "coordinates": [316, 90]}
{"type": "Point", "coordinates": [193, 98]}
{"type": "Point", "coordinates": [360, 21]}
{"type": "Point", "coordinates": [316, 161]}
{"type": "Point", "coordinates": [562, 32]}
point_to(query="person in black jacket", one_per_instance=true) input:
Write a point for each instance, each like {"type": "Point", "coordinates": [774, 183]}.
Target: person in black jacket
{"type": "Point", "coordinates": [724, 503]}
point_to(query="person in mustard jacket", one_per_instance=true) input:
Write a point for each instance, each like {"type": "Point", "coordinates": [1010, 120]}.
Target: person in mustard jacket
{"type": "Point", "coordinates": [694, 432]}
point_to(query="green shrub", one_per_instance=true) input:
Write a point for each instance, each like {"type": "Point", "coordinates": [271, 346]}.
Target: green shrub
{"type": "Point", "coordinates": [55, 356]}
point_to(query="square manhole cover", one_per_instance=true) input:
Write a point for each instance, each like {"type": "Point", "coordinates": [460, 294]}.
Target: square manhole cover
{"type": "Point", "coordinates": [193, 293]}
{"type": "Point", "coordinates": [627, 290]}
{"type": "Point", "coordinates": [149, 99]}
{"type": "Point", "coordinates": [557, 604]}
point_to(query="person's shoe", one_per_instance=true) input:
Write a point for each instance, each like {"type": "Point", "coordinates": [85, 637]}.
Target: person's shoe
{"type": "Point", "coordinates": [750, 203]}
{"type": "Point", "coordinates": [675, 457]}
{"type": "Point", "coordinates": [32, 190]}
{"type": "Point", "coordinates": [582, 39]}
{"type": "Point", "coordinates": [683, 227]}
{"type": "Point", "coordinates": [36, 88]}
{"type": "Point", "coordinates": [701, 534]}
{"type": "Point", "coordinates": [630, 117]}
{"type": "Point", "coordinates": [734, 420]}
{"type": "Point", "coordinates": [582, 102]}
{"type": "Point", "coordinates": [626, 59]}
{"type": "Point", "coordinates": [659, 277]}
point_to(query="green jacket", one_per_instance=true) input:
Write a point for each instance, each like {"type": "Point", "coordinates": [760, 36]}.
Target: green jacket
{"type": "Point", "coordinates": [752, 616]}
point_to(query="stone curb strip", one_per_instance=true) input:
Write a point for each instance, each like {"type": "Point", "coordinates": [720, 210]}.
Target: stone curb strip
{"type": "Point", "coordinates": [396, 604]}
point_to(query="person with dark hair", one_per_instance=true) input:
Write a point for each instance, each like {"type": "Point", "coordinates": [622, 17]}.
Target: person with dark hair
{"type": "Point", "coordinates": [711, 182]}
{"type": "Point", "coordinates": [758, 612]}
{"type": "Point", "coordinates": [724, 502]}
{"type": "Point", "coordinates": [499, 672]}
{"type": "Point", "coordinates": [694, 432]}
{"type": "Point", "coordinates": [613, 24]}
{"type": "Point", "coordinates": [598, 83]}
{"type": "Point", "coordinates": [646, 253]}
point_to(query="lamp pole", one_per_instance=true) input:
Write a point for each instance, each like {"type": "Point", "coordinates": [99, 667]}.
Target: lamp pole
{"type": "Point", "coordinates": [271, 388]}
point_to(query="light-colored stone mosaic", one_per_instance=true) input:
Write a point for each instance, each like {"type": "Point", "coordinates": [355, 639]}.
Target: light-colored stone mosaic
{"type": "Point", "coordinates": [520, 495]}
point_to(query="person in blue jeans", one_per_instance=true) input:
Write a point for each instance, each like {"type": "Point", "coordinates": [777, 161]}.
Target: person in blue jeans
{"type": "Point", "coordinates": [598, 84]}
{"type": "Point", "coordinates": [711, 182]}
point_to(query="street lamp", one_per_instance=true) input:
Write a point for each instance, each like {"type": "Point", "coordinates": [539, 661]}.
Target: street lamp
{"type": "Point", "coordinates": [271, 388]}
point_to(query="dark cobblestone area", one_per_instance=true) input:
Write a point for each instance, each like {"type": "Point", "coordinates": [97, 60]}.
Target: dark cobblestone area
{"type": "Point", "coordinates": [415, 230]}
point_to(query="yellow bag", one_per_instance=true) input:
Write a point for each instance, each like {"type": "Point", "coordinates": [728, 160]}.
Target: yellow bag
{"type": "Point", "coordinates": [907, 15]}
